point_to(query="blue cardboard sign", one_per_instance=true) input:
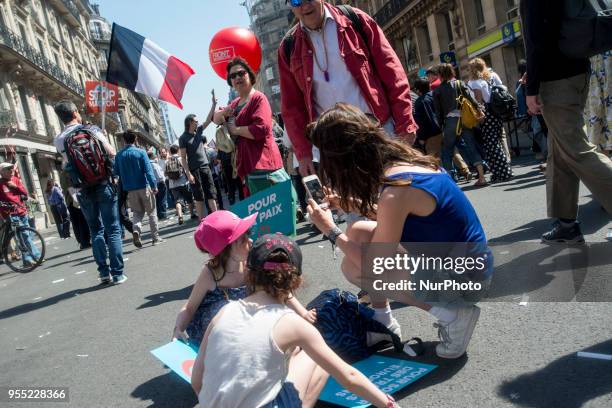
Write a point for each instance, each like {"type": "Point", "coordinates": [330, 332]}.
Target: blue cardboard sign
{"type": "Point", "coordinates": [448, 58]}
{"type": "Point", "coordinates": [387, 373]}
{"type": "Point", "coordinates": [508, 34]}
{"type": "Point", "coordinates": [178, 356]}
{"type": "Point", "coordinates": [274, 207]}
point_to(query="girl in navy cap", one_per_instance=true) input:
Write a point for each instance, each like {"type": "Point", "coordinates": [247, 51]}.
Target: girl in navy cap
{"type": "Point", "coordinates": [249, 355]}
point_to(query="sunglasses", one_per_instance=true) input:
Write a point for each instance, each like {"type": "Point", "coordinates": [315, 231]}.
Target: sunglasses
{"type": "Point", "coordinates": [297, 3]}
{"type": "Point", "coordinates": [237, 74]}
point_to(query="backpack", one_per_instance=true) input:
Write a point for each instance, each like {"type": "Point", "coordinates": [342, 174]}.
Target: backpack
{"type": "Point", "coordinates": [88, 161]}
{"type": "Point", "coordinates": [344, 322]}
{"type": "Point", "coordinates": [344, 9]}
{"type": "Point", "coordinates": [502, 103]}
{"type": "Point", "coordinates": [174, 170]}
{"type": "Point", "coordinates": [586, 28]}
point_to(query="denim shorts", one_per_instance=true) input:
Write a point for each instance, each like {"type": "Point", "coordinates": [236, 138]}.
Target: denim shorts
{"type": "Point", "coordinates": [288, 397]}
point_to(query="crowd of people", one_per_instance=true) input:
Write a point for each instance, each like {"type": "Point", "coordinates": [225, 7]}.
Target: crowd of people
{"type": "Point", "coordinates": [390, 165]}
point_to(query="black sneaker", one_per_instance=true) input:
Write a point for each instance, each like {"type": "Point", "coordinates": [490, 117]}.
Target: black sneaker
{"type": "Point", "coordinates": [136, 238]}
{"type": "Point", "coordinates": [563, 235]}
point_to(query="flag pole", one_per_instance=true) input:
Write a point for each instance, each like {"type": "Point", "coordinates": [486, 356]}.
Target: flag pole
{"type": "Point", "coordinates": [103, 107]}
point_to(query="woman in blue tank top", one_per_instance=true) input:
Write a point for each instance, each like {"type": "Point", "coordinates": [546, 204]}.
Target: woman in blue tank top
{"type": "Point", "coordinates": [402, 196]}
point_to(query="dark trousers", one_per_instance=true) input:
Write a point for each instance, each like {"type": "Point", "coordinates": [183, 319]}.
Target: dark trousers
{"type": "Point", "coordinates": [234, 185]}
{"type": "Point", "coordinates": [296, 179]}
{"type": "Point", "coordinates": [170, 202]}
{"type": "Point", "coordinates": [124, 219]}
{"type": "Point", "coordinates": [217, 180]}
{"type": "Point", "coordinates": [79, 225]}
{"type": "Point", "coordinates": [161, 200]}
{"type": "Point", "coordinates": [62, 221]}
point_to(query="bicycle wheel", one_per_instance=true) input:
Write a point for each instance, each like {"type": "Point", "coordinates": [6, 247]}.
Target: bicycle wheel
{"type": "Point", "coordinates": [23, 251]}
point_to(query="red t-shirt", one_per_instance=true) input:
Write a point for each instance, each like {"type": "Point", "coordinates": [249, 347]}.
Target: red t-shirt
{"type": "Point", "coordinates": [434, 84]}
{"type": "Point", "coordinates": [262, 152]}
{"type": "Point", "coordinates": [12, 195]}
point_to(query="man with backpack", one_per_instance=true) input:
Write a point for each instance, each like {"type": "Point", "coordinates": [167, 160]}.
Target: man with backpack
{"type": "Point", "coordinates": [97, 194]}
{"type": "Point", "coordinates": [133, 167]}
{"type": "Point", "coordinates": [178, 184]}
{"type": "Point", "coordinates": [557, 87]}
{"type": "Point", "coordinates": [316, 73]}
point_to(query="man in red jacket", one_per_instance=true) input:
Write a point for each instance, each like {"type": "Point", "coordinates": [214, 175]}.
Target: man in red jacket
{"type": "Point", "coordinates": [329, 60]}
{"type": "Point", "coordinates": [12, 197]}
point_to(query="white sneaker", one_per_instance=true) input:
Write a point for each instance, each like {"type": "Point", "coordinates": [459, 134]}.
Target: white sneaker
{"type": "Point", "coordinates": [455, 336]}
{"type": "Point", "coordinates": [374, 338]}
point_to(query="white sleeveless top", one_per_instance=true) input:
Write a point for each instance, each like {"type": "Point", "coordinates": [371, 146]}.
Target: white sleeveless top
{"type": "Point", "coordinates": [243, 366]}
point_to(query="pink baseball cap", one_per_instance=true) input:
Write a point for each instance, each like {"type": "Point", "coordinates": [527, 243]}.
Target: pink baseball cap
{"type": "Point", "coordinates": [220, 229]}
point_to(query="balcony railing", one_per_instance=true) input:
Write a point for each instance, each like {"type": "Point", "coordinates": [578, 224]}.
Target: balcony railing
{"type": "Point", "coordinates": [7, 119]}
{"type": "Point", "coordinates": [69, 4]}
{"type": "Point", "coordinates": [15, 42]}
{"type": "Point", "coordinates": [100, 36]}
{"type": "Point", "coordinates": [390, 10]}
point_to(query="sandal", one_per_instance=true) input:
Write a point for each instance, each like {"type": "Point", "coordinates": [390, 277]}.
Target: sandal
{"type": "Point", "coordinates": [480, 183]}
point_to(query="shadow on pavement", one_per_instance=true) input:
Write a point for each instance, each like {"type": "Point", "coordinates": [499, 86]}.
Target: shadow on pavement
{"type": "Point", "coordinates": [167, 390]}
{"type": "Point", "coordinates": [568, 382]}
{"type": "Point", "coordinates": [170, 296]}
{"type": "Point", "coordinates": [32, 306]}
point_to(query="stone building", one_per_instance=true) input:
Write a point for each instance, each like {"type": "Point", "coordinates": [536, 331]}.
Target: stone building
{"type": "Point", "coordinates": [424, 33]}
{"type": "Point", "coordinates": [46, 55]}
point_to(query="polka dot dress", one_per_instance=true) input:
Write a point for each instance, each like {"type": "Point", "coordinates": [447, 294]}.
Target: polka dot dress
{"type": "Point", "coordinates": [496, 157]}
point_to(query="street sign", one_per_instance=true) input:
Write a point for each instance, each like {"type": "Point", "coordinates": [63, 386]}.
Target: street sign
{"type": "Point", "coordinates": [508, 33]}
{"type": "Point", "coordinates": [100, 96]}
{"type": "Point", "coordinates": [448, 58]}
{"type": "Point", "coordinates": [274, 207]}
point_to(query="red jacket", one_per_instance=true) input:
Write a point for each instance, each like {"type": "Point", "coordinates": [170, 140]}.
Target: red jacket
{"type": "Point", "coordinates": [261, 153]}
{"type": "Point", "coordinates": [12, 195]}
{"type": "Point", "coordinates": [382, 81]}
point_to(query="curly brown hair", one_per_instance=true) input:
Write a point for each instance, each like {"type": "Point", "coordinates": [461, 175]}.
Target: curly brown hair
{"type": "Point", "coordinates": [356, 151]}
{"type": "Point", "coordinates": [278, 283]}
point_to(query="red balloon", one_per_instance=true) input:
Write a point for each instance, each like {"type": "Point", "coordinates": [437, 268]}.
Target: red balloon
{"type": "Point", "coordinates": [234, 42]}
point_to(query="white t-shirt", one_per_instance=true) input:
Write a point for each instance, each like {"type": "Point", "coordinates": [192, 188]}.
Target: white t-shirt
{"type": "Point", "coordinates": [59, 139]}
{"type": "Point", "coordinates": [482, 86]}
{"type": "Point", "coordinates": [495, 78]}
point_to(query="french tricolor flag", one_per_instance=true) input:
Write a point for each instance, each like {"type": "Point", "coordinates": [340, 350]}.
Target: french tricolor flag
{"type": "Point", "coordinates": [138, 64]}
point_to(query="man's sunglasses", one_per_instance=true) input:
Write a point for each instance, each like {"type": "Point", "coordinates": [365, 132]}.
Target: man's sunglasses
{"type": "Point", "coordinates": [297, 3]}
{"type": "Point", "coordinates": [237, 74]}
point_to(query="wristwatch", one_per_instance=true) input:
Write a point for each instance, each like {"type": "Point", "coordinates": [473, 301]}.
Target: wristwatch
{"type": "Point", "coordinates": [334, 234]}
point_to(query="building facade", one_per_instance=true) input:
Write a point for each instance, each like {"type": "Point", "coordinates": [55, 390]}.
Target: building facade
{"type": "Point", "coordinates": [46, 55]}
{"type": "Point", "coordinates": [170, 134]}
{"type": "Point", "coordinates": [425, 33]}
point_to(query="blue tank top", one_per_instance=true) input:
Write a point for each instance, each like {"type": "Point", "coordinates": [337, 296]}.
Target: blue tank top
{"type": "Point", "coordinates": [453, 220]}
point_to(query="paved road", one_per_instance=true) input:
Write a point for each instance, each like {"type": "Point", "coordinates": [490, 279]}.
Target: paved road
{"type": "Point", "coordinates": [59, 328]}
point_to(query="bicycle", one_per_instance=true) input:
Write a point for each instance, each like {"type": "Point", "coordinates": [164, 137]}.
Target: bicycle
{"type": "Point", "coordinates": [19, 244]}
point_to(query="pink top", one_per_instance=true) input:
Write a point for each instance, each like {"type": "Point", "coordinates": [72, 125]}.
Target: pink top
{"type": "Point", "coordinates": [262, 152]}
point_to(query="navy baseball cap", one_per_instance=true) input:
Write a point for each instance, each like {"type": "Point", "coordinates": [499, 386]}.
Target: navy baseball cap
{"type": "Point", "coordinates": [266, 244]}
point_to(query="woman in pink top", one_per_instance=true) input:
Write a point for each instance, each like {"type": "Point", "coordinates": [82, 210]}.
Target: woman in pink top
{"type": "Point", "coordinates": [249, 121]}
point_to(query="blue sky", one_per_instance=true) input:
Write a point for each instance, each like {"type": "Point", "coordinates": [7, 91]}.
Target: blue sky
{"type": "Point", "coordinates": [184, 28]}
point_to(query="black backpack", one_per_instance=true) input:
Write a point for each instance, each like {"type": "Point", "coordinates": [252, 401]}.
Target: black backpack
{"type": "Point", "coordinates": [344, 9]}
{"type": "Point", "coordinates": [88, 161]}
{"type": "Point", "coordinates": [502, 103]}
{"type": "Point", "coordinates": [586, 28]}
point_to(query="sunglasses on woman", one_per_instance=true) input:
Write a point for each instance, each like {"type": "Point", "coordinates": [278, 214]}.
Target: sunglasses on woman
{"type": "Point", "coordinates": [237, 74]}
{"type": "Point", "coordinates": [297, 3]}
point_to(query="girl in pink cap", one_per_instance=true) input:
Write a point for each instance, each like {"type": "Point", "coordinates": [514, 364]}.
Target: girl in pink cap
{"type": "Point", "coordinates": [225, 237]}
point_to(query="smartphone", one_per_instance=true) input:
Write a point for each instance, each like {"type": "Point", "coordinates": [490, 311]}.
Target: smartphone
{"type": "Point", "coordinates": [315, 189]}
